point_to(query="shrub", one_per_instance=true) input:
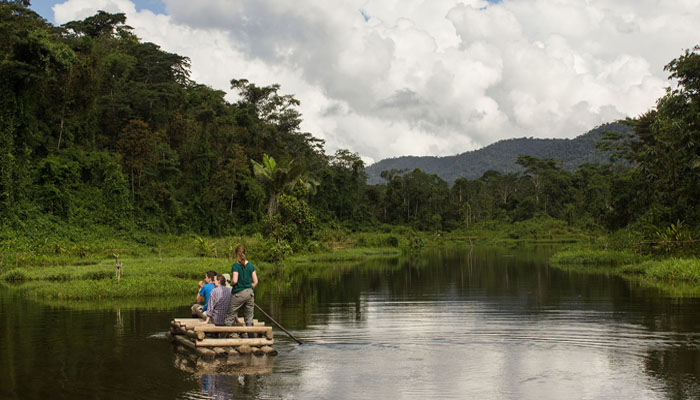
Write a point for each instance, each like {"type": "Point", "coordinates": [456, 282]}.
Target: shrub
{"type": "Point", "coordinates": [96, 275]}
{"type": "Point", "coordinates": [14, 275]}
{"type": "Point", "coordinates": [203, 247]}
{"type": "Point", "coordinates": [58, 277]}
{"type": "Point", "coordinates": [392, 241]}
{"type": "Point", "coordinates": [415, 242]}
{"type": "Point", "coordinates": [270, 250]}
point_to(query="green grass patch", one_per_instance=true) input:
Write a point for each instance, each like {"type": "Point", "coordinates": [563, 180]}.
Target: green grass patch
{"type": "Point", "coordinates": [591, 257]}
{"type": "Point", "coordinates": [159, 303]}
{"type": "Point", "coordinates": [535, 230]}
{"type": "Point", "coordinates": [673, 269]}
{"type": "Point", "coordinates": [133, 287]}
{"type": "Point", "coordinates": [163, 277]}
{"type": "Point", "coordinates": [353, 254]}
{"type": "Point", "coordinates": [676, 277]}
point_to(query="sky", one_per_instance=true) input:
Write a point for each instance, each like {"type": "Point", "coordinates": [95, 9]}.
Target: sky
{"type": "Point", "coordinates": [386, 78]}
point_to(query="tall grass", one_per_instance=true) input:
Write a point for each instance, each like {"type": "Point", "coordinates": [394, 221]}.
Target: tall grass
{"type": "Point", "coordinates": [673, 269]}
{"type": "Point", "coordinates": [677, 277]}
{"type": "Point", "coordinates": [591, 257]}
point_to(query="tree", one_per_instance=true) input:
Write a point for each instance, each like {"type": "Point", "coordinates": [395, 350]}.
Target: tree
{"type": "Point", "coordinates": [665, 147]}
{"type": "Point", "coordinates": [100, 24]}
{"type": "Point", "coordinates": [277, 178]}
{"type": "Point", "coordinates": [137, 144]}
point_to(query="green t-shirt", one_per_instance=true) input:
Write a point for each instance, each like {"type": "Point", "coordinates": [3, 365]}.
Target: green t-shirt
{"type": "Point", "coordinates": [245, 276]}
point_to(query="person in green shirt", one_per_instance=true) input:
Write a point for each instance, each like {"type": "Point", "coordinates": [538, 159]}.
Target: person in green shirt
{"type": "Point", "coordinates": [243, 281]}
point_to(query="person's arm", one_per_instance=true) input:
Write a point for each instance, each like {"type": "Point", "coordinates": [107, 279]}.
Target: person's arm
{"type": "Point", "coordinates": [255, 279]}
{"type": "Point", "coordinates": [234, 278]}
{"type": "Point", "coordinates": [199, 292]}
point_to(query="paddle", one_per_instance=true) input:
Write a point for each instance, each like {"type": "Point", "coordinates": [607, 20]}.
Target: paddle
{"type": "Point", "coordinates": [277, 323]}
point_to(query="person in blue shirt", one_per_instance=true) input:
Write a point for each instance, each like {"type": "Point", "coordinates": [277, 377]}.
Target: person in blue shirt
{"type": "Point", "coordinates": [243, 281]}
{"type": "Point", "coordinates": [205, 288]}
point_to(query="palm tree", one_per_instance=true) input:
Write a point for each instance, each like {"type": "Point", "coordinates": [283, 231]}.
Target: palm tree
{"type": "Point", "coordinates": [280, 178]}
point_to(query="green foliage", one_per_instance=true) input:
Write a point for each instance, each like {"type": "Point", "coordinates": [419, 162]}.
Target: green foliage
{"type": "Point", "coordinates": [589, 257]}
{"type": "Point", "coordinates": [106, 143]}
{"type": "Point", "coordinates": [623, 239]}
{"type": "Point", "coordinates": [415, 243]}
{"type": "Point", "coordinates": [14, 275]}
{"type": "Point", "coordinates": [673, 269]}
{"type": "Point", "coordinates": [675, 238]}
{"type": "Point", "coordinates": [275, 251]}
{"type": "Point", "coordinates": [203, 247]}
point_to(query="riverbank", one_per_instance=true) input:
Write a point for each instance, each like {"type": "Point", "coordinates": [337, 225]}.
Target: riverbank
{"type": "Point", "coordinates": [171, 277]}
{"type": "Point", "coordinates": [66, 263]}
{"type": "Point", "coordinates": [677, 276]}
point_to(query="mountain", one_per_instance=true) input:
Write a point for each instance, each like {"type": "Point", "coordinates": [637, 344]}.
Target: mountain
{"type": "Point", "coordinates": [501, 156]}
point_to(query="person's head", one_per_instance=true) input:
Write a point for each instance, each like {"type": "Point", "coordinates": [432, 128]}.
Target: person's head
{"type": "Point", "coordinates": [211, 275]}
{"type": "Point", "coordinates": [241, 255]}
{"type": "Point", "coordinates": [220, 280]}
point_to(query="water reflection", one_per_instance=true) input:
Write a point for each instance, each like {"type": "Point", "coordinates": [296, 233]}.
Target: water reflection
{"type": "Point", "coordinates": [224, 379]}
{"type": "Point", "coordinates": [449, 323]}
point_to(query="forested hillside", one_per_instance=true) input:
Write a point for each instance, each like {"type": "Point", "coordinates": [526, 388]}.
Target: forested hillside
{"type": "Point", "coordinates": [98, 128]}
{"type": "Point", "coordinates": [502, 156]}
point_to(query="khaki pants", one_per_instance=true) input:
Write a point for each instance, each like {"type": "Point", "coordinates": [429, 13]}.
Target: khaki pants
{"type": "Point", "coordinates": [244, 299]}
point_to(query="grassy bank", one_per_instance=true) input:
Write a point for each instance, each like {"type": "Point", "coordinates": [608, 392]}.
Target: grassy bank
{"type": "Point", "coordinates": [53, 262]}
{"type": "Point", "coordinates": [677, 276]}
{"type": "Point", "coordinates": [157, 277]}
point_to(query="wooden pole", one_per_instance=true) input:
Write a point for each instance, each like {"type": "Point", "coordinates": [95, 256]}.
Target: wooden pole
{"type": "Point", "coordinates": [277, 323]}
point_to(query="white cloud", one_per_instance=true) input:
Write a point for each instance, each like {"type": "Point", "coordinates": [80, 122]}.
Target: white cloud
{"type": "Point", "coordinates": [396, 77]}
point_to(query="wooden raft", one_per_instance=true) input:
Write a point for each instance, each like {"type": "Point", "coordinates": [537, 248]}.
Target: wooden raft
{"type": "Point", "coordinates": [208, 341]}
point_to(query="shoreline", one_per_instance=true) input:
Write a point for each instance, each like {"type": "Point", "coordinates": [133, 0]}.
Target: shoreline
{"type": "Point", "coordinates": [675, 276]}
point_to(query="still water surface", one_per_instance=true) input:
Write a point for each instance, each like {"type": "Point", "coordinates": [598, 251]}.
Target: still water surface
{"type": "Point", "coordinates": [487, 323]}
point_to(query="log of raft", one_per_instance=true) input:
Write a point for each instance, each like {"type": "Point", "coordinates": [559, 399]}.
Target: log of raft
{"type": "Point", "coordinates": [192, 334]}
{"type": "Point", "coordinates": [258, 351]}
{"type": "Point", "coordinates": [234, 342]}
{"type": "Point", "coordinates": [236, 329]}
{"type": "Point", "coordinates": [190, 323]}
{"type": "Point", "coordinates": [220, 351]}
{"type": "Point", "coordinates": [206, 354]}
{"type": "Point", "coordinates": [244, 349]}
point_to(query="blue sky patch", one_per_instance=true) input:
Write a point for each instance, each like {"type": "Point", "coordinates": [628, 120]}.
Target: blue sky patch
{"type": "Point", "coordinates": [43, 7]}
{"type": "Point", "coordinates": [365, 15]}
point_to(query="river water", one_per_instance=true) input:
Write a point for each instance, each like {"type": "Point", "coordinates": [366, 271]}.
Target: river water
{"type": "Point", "coordinates": [450, 323]}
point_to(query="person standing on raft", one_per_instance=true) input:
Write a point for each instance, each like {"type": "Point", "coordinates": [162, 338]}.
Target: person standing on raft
{"type": "Point", "coordinates": [243, 281]}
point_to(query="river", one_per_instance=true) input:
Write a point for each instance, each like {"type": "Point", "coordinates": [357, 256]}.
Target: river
{"type": "Point", "coordinates": [447, 323]}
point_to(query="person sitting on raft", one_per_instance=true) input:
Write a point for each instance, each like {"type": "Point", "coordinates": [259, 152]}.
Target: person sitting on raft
{"type": "Point", "coordinates": [243, 281]}
{"type": "Point", "coordinates": [198, 310]}
{"type": "Point", "coordinates": [218, 302]}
